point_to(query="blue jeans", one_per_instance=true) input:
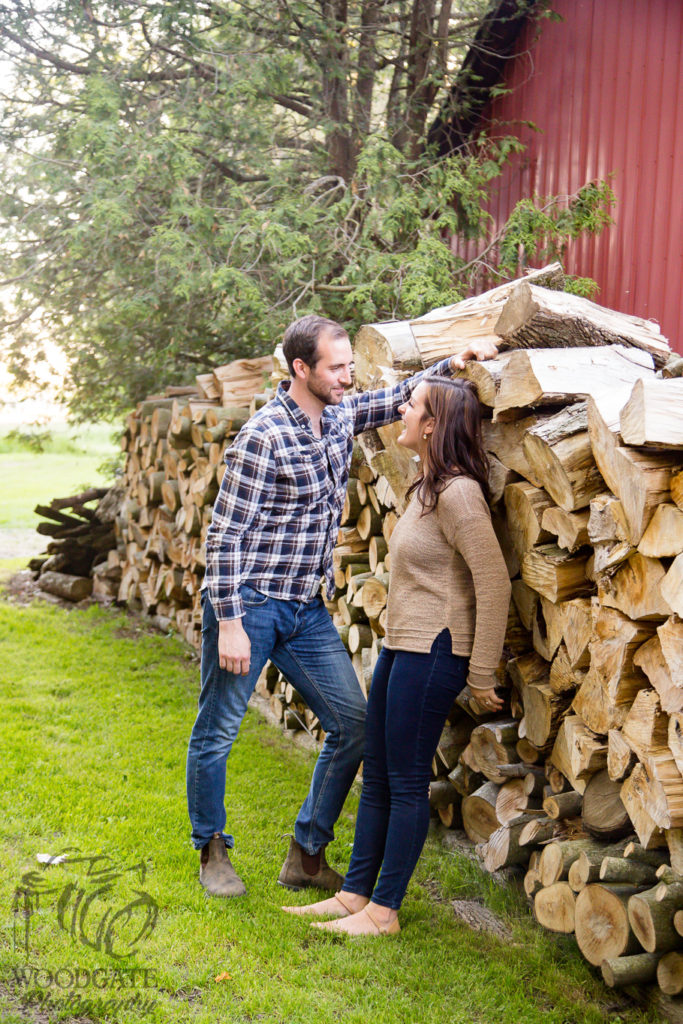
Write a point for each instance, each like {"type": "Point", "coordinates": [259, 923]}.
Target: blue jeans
{"type": "Point", "coordinates": [409, 700]}
{"type": "Point", "coordinates": [302, 642]}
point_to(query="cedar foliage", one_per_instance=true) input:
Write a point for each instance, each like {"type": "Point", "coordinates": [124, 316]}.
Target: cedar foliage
{"type": "Point", "coordinates": [181, 179]}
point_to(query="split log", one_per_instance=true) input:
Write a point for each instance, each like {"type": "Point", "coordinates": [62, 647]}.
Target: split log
{"type": "Point", "coordinates": [534, 316]}
{"type": "Point", "coordinates": [602, 926]}
{"type": "Point", "coordinates": [537, 830]}
{"type": "Point", "coordinates": [636, 589]}
{"type": "Point", "coordinates": [554, 908]}
{"type": "Point", "coordinates": [548, 628]}
{"type": "Point", "coordinates": [620, 757]}
{"type": "Point", "coordinates": [570, 528]}
{"type": "Point", "coordinates": [563, 679]}
{"type": "Point", "coordinates": [663, 537]}
{"type": "Point", "coordinates": [505, 441]}
{"type": "Point", "coordinates": [677, 488]}
{"type": "Point", "coordinates": [672, 586]}
{"type": "Point", "coordinates": [493, 743]}
{"type": "Point", "coordinates": [640, 795]}
{"type": "Point", "coordinates": [577, 630]}
{"type": "Point", "coordinates": [652, 415]}
{"type": "Point", "coordinates": [555, 573]}
{"type": "Point", "coordinates": [559, 452]}
{"type": "Point", "coordinates": [578, 753]}
{"type": "Point", "coordinates": [543, 713]}
{"type": "Point", "coordinates": [639, 969]}
{"type": "Point", "coordinates": [661, 659]}
{"type": "Point", "coordinates": [525, 505]}
{"type": "Point", "coordinates": [645, 726]}
{"type": "Point", "coordinates": [612, 682]}
{"type": "Point", "coordinates": [547, 376]}
{"type": "Point", "coordinates": [641, 480]}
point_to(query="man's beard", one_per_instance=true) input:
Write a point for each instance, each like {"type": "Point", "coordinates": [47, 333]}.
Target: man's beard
{"type": "Point", "coordinates": [326, 396]}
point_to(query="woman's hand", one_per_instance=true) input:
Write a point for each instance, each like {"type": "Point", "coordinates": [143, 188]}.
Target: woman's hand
{"type": "Point", "coordinates": [488, 700]}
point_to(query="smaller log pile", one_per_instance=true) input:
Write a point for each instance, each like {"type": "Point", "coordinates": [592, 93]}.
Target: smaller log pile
{"type": "Point", "coordinates": [81, 558]}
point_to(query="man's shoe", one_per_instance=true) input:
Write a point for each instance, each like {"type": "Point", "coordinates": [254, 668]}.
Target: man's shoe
{"type": "Point", "coordinates": [302, 870]}
{"type": "Point", "coordinates": [216, 873]}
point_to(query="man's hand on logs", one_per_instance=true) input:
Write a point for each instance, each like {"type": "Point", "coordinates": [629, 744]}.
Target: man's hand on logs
{"type": "Point", "coordinates": [234, 647]}
{"type": "Point", "coordinates": [483, 349]}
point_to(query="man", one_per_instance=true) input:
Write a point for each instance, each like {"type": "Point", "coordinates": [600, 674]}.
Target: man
{"type": "Point", "coordinates": [274, 527]}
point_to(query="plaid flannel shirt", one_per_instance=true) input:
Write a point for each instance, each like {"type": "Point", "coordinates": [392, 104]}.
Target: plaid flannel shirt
{"type": "Point", "coordinates": [276, 518]}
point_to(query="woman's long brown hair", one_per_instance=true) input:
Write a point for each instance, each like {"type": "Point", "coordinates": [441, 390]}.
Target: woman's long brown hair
{"type": "Point", "coordinates": [456, 447]}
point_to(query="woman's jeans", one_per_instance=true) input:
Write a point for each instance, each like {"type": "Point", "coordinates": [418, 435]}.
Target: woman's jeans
{"type": "Point", "coordinates": [409, 700]}
{"type": "Point", "coordinates": [300, 639]}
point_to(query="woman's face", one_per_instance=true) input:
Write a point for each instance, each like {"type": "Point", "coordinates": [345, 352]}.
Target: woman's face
{"type": "Point", "coordinates": [416, 421]}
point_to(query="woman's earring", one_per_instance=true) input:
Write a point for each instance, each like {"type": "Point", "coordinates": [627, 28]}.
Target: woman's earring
{"type": "Point", "coordinates": [425, 436]}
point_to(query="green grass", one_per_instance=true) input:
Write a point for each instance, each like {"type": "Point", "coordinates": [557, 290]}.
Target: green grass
{"type": "Point", "coordinates": [95, 722]}
{"type": "Point", "coordinates": [69, 463]}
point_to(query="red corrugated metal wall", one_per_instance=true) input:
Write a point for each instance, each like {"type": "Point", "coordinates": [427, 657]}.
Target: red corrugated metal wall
{"type": "Point", "coordinates": [605, 87]}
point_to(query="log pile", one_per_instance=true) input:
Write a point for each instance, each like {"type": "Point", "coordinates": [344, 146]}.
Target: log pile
{"type": "Point", "coordinates": [174, 445]}
{"type": "Point", "coordinates": [81, 559]}
{"type": "Point", "coordinates": [579, 780]}
{"type": "Point", "coordinates": [584, 765]}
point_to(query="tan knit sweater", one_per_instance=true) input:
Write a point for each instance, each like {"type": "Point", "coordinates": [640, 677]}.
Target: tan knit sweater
{"type": "Point", "coordinates": [448, 572]}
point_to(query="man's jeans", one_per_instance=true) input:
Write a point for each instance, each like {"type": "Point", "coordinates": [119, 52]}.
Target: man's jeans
{"type": "Point", "coordinates": [302, 642]}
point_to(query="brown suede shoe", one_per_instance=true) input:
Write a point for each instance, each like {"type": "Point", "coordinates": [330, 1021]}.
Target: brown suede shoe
{"type": "Point", "coordinates": [216, 873]}
{"type": "Point", "coordinates": [302, 870]}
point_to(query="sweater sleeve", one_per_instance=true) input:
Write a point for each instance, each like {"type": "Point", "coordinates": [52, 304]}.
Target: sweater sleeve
{"type": "Point", "coordinates": [465, 521]}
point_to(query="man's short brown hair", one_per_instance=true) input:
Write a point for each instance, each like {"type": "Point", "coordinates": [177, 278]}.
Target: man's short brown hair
{"type": "Point", "coordinates": [300, 340]}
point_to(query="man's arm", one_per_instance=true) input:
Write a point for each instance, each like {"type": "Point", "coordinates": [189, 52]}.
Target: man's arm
{"type": "Point", "coordinates": [248, 476]}
{"type": "Point", "coordinates": [377, 408]}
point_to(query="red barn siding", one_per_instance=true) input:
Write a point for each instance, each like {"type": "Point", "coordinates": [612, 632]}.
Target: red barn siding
{"type": "Point", "coordinates": [604, 87]}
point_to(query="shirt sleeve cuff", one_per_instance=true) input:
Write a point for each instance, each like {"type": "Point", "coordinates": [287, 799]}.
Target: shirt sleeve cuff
{"type": "Point", "coordinates": [228, 608]}
{"type": "Point", "coordinates": [481, 680]}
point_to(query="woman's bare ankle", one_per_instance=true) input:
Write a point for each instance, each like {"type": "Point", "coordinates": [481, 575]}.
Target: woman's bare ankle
{"type": "Point", "coordinates": [384, 914]}
{"type": "Point", "coordinates": [353, 900]}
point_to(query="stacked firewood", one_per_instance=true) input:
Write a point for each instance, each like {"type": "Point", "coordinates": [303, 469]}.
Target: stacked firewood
{"type": "Point", "coordinates": [81, 557]}
{"type": "Point", "coordinates": [583, 427]}
{"type": "Point", "coordinates": [586, 448]}
{"type": "Point", "coordinates": [174, 445]}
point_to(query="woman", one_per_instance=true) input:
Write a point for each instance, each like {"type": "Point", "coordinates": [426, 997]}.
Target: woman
{"type": "Point", "coordinates": [446, 620]}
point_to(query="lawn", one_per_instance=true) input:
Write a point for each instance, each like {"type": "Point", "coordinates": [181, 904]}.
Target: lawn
{"type": "Point", "coordinates": [69, 462]}
{"type": "Point", "coordinates": [96, 715]}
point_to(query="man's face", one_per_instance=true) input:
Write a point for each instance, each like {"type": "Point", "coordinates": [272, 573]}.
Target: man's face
{"type": "Point", "coordinates": [332, 374]}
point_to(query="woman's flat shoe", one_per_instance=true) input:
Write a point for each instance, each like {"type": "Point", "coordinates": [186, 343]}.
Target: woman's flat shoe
{"type": "Point", "coordinates": [341, 910]}
{"type": "Point", "coordinates": [369, 925]}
